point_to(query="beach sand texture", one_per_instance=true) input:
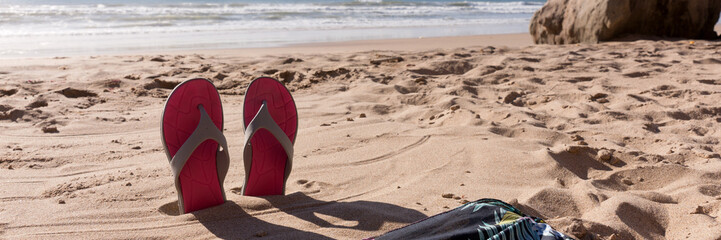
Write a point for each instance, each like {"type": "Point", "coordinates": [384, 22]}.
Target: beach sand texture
{"type": "Point", "coordinates": [615, 140]}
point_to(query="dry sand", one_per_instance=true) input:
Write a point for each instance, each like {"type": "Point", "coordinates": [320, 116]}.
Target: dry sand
{"type": "Point", "coordinates": [608, 141]}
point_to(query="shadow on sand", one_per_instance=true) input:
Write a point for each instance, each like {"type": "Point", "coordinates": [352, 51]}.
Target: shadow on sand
{"type": "Point", "coordinates": [580, 163]}
{"type": "Point", "coordinates": [230, 221]}
{"type": "Point", "coordinates": [368, 216]}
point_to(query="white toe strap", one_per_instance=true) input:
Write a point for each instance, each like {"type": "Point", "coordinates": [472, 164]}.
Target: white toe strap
{"type": "Point", "coordinates": [205, 130]}
{"type": "Point", "coordinates": [264, 120]}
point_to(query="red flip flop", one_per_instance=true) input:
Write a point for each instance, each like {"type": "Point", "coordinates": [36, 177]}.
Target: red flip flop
{"type": "Point", "coordinates": [270, 119]}
{"type": "Point", "coordinates": [192, 134]}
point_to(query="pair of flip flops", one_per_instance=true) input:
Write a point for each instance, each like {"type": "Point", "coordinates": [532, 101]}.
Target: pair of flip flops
{"type": "Point", "coordinates": [192, 135]}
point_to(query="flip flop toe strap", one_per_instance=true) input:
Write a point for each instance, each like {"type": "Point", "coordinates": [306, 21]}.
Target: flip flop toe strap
{"type": "Point", "coordinates": [206, 130]}
{"type": "Point", "coordinates": [264, 120]}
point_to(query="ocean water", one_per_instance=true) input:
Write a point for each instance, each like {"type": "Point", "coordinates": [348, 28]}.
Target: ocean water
{"type": "Point", "coordinates": [32, 28]}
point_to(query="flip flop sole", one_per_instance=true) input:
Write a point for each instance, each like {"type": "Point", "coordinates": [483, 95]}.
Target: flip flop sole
{"type": "Point", "coordinates": [198, 179]}
{"type": "Point", "coordinates": [267, 170]}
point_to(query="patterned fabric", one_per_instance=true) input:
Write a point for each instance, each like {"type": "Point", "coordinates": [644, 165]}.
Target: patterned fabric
{"type": "Point", "coordinates": [482, 219]}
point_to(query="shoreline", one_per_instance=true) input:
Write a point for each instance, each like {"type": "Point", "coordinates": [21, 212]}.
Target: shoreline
{"type": "Point", "coordinates": [115, 27]}
{"type": "Point", "coordinates": [514, 40]}
{"type": "Point", "coordinates": [510, 40]}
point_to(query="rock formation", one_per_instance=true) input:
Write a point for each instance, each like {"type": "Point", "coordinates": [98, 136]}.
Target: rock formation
{"type": "Point", "coordinates": [592, 21]}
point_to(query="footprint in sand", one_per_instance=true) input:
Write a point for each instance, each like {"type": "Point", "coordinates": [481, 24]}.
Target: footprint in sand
{"type": "Point", "coordinates": [581, 79]}
{"type": "Point", "coordinates": [76, 93]}
{"type": "Point", "coordinates": [8, 113]}
{"type": "Point", "coordinates": [710, 81]}
{"type": "Point", "coordinates": [708, 61]}
{"type": "Point", "coordinates": [710, 190]}
{"type": "Point", "coordinates": [444, 68]}
{"type": "Point", "coordinates": [646, 178]}
{"type": "Point", "coordinates": [157, 83]}
{"type": "Point", "coordinates": [636, 74]}
{"type": "Point", "coordinates": [9, 92]}
{"type": "Point", "coordinates": [37, 104]}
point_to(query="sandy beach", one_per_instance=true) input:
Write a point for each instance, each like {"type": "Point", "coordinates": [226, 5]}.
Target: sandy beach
{"type": "Point", "coordinates": [607, 141]}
